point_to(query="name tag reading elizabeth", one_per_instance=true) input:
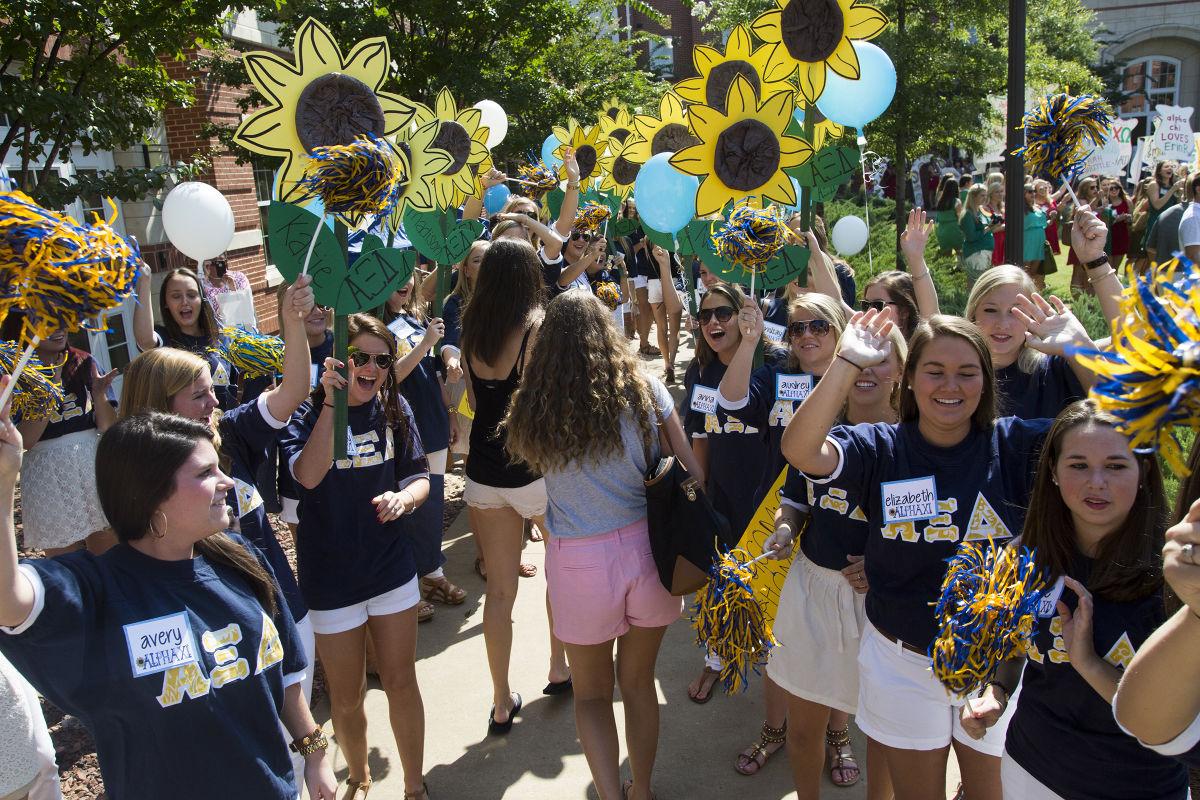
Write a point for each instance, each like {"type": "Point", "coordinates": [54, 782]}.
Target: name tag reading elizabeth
{"type": "Point", "coordinates": [704, 400]}
{"type": "Point", "coordinates": [909, 500]}
{"type": "Point", "coordinates": [793, 387]}
{"type": "Point", "coordinates": [157, 645]}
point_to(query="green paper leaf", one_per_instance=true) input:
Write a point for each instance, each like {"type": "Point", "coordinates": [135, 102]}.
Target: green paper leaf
{"type": "Point", "coordinates": [790, 264]}
{"type": "Point", "coordinates": [370, 242]}
{"type": "Point", "coordinates": [699, 243]}
{"type": "Point", "coordinates": [372, 278]}
{"type": "Point", "coordinates": [554, 200]}
{"type": "Point", "coordinates": [823, 194]}
{"type": "Point", "coordinates": [290, 230]}
{"type": "Point", "coordinates": [830, 166]}
{"type": "Point", "coordinates": [439, 235]}
{"type": "Point", "coordinates": [659, 238]}
{"type": "Point", "coordinates": [622, 227]}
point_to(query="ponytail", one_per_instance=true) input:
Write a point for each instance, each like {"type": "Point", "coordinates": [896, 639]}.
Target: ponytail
{"type": "Point", "coordinates": [220, 549]}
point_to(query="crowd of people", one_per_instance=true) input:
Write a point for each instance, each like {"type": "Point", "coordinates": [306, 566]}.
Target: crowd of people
{"type": "Point", "coordinates": [168, 619]}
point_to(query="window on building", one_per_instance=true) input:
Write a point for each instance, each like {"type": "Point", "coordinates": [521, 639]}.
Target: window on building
{"type": "Point", "coordinates": [1148, 82]}
{"type": "Point", "coordinates": [264, 180]}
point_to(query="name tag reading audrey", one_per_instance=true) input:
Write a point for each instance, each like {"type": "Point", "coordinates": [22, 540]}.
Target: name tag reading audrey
{"type": "Point", "coordinates": [157, 645]}
{"type": "Point", "coordinates": [793, 387]}
{"type": "Point", "coordinates": [704, 399]}
{"type": "Point", "coordinates": [909, 500]}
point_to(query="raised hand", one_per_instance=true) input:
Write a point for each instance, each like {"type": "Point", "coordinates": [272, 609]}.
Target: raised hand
{"type": "Point", "coordinates": [330, 379]}
{"type": "Point", "coordinates": [1181, 558]}
{"type": "Point", "coordinates": [494, 177]}
{"type": "Point", "coordinates": [435, 331]}
{"type": "Point", "coordinates": [915, 238]}
{"type": "Point", "coordinates": [865, 341]}
{"type": "Point", "coordinates": [1088, 234]}
{"type": "Point", "coordinates": [299, 299]}
{"type": "Point", "coordinates": [750, 323]}
{"type": "Point", "coordinates": [572, 166]}
{"type": "Point", "coordinates": [1050, 326]}
{"type": "Point", "coordinates": [100, 383]}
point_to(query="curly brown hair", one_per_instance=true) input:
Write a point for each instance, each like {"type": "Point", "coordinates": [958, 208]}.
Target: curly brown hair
{"type": "Point", "coordinates": [581, 380]}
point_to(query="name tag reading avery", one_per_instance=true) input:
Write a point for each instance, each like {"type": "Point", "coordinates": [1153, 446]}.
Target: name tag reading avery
{"type": "Point", "coordinates": [1048, 605]}
{"type": "Point", "coordinates": [793, 387]}
{"type": "Point", "coordinates": [774, 331]}
{"type": "Point", "coordinates": [157, 645]}
{"type": "Point", "coordinates": [909, 500]}
{"type": "Point", "coordinates": [704, 400]}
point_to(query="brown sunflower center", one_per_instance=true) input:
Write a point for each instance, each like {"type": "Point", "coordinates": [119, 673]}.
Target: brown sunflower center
{"type": "Point", "coordinates": [811, 29]}
{"type": "Point", "coordinates": [454, 139]}
{"type": "Point", "coordinates": [612, 112]}
{"type": "Point", "coordinates": [585, 155]}
{"type": "Point", "coordinates": [620, 134]}
{"type": "Point", "coordinates": [624, 171]}
{"type": "Point", "coordinates": [336, 109]}
{"type": "Point", "coordinates": [747, 155]}
{"type": "Point", "coordinates": [404, 161]}
{"type": "Point", "coordinates": [671, 138]}
{"type": "Point", "coordinates": [716, 89]}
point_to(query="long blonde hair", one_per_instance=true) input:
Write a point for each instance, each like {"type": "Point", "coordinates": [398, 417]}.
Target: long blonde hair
{"type": "Point", "coordinates": [997, 277]}
{"type": "Point", "coordinates": [155, 377]}
{"type": "Point", "coordinates": [581, 380]}
{"type": "Point", "coordinates": [465, 288]}
{"type": "Point", "coordinates": [818, 305]}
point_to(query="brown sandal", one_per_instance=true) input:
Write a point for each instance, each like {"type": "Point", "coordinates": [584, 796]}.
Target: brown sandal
{"type": "Point", "coordinates": [425, 611]}
{"type": "Point", "coordinates": [353, 788]}
{"type": "Point", "coordinates": [421, 795]}
{"type": "Point", "coordinates": [841, 762]}
{"type": "Point", "coordinates": [441, 590]}
{"type": "Point", "coordinates": [527, 570]}
{"type": "Point", "coordinates": [708, 684]}
{"type": "Point", "coordinates": [759, 752]}
{"type": "Point", "coordinates": [627, 786]}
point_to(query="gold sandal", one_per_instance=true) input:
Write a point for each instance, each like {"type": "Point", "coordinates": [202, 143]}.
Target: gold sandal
{"type": "Point", "coordinates": [353, 788]}
{"type": "Point", "coordinates": [767, 737]}
{"type": "Point", "coordinates": [842, 762]}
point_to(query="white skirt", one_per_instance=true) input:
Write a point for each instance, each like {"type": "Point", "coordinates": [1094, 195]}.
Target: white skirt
{"type": "Point", "coordinates": [818, 626]}
{"type": "Point", "coordinates": [59, 505]}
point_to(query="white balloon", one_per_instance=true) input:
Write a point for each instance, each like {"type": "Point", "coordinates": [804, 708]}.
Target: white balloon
{"type": "Point", "coordinates": [495, 120]}
{"type": "Point", "coordinates": [198, 220]}
{"type": "Point", "coordinates": [849, 235]}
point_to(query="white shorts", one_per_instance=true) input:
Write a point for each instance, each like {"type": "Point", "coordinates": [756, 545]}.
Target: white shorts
{"type": "Point", "coordinates": [348, 618]}
{"type": "Point", "coordinates": [640, 281]}
{"type": "Point", "coordinates": [901, 704]}
{"type": "Point", "coordinates": [291, 510]}
{"type": "Point", "coordinates": [529, 501]}
{"type": "Point", "coordinates": [654, 291]}
{"type": "Point", "coordinates": [1017, 784]}
{"type": "Point", "coordinates": [819, 627]}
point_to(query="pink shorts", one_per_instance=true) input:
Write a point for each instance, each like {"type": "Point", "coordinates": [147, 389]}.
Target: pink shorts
{"type": "Point", "coordinates": [601, 585]}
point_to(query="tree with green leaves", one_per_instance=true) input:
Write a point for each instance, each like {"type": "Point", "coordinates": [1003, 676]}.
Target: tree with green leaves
{"type": "Point", "coordinates": [90, 76]}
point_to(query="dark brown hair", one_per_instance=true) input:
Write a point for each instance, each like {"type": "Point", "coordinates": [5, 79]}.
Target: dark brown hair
{"type": "Point", "coordinates": [207, 320]}
{"type": "Point", "coordinates": [899, 287]}
{"type": "Point", "coordinates": [364, 324]}
{"type": "Point", "coordinates": [947, 193]}
{"type": "Point", "coordinates": [508, 290]}
{"type": "Point", "coordinates": [1128, 565]}
{"type": "Point", "coordinates": [136, 463]}
{"type": "Point", "coordinates": [937, 327]}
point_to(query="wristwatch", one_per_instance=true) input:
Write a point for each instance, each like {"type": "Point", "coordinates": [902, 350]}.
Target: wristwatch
{"type": "Point", "coordinates": [1096, 262]}
{"type": "Point", "coordinates": [307, 745]}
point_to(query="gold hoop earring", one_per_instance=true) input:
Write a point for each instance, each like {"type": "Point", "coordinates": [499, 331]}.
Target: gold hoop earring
{"type": "Point", "coordinates": [155, 531]}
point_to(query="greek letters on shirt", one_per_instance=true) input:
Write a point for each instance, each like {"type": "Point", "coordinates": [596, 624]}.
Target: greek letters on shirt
{"type": "Point", "coordinates": [70, 409]}
{"type": "Point", "coordinates": [984, 524]}
{"type": "Point", "coordinates": [362, 450]}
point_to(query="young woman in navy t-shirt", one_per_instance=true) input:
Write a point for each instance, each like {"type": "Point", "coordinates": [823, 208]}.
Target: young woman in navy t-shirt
{"type": "Point", "coordinates": [174, 648]}
{"type": "Point", "coordinates": [353, 549]}
{"type": "Point", "coordinates": [949, 472]}
{"type": "Point", "coordinates": [1095, 524]}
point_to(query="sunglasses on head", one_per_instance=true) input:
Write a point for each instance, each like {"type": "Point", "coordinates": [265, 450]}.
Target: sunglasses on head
{"type": "Point", "coordinates": [878, 305]}
{"type": "Point", "coordinates": [361, 359]}
{"type": "Point", "coordinates": [722, 313]}
{"type": "Point", "coordinates": [818, 327]}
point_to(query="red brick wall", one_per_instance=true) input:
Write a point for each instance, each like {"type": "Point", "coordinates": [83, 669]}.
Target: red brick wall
{"type": "Point", "coordinates": [684, 32]}
{"type": "Point", "coordinates": [217, 104]}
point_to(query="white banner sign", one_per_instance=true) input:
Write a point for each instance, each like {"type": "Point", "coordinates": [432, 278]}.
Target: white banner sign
{"type": "Point", "coordinates": [1173, 137]}
{"type": "Point", "coordinates": [1111, 158]}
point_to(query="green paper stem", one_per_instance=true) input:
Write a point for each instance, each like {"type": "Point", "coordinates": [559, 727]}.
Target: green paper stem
{"type": "Point", "coordinates": [341, 332]}
{"type": "Point", "coordinates": [439, 297]}
{"type": "Point", "coordinates": [689, 281]}
{"type": "Point", "coordinates": [810, 123]}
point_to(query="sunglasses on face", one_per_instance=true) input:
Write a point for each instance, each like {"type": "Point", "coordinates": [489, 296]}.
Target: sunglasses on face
{"type": "Point", "coordinates": [818, 327]}
{"type": "Point", "coordinates": [867, 305]}
{"type": "Point", "coordinates": [361, 359]}
{"type": "Point", "coordinates": [576, 236]}
{"type": "Point", "coordinates": [722, 313]}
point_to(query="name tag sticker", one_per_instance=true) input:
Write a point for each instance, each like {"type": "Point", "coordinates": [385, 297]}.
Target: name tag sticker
{"type": "Point", "coordinates": [157, 645]}
{"type": "Point", "coordinates": [774, 331]}
{"type": "Point", "coordinates": [1048, 605]}
{"type": "Point", "coordinates": [909, 500]}
{"type": "Point", "coordinates": [704, 399]}
{"type": "Point", "coordinates": [314, 375]}
{"type": "Point", "coordinates": [793, 387]}
{"type": "Point", "coordinates": [401, 329]}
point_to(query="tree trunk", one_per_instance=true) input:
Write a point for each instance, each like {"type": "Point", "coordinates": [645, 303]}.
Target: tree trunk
{"type": "Point", "coordinates": [901, 163]}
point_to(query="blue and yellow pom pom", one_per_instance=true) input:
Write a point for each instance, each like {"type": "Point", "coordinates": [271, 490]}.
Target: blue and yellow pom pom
{"type": "Point", "coordinates": [1150, 376]}
{"type": "Point", "coordinates": [255, 354]}
{"type": "Point", "coordinates": [986, 614]}
{"type": "Point", "coordinates": [729, 619]}
{"type": "Point", "coordinates": [609, 294]}
{"type": "Point", "coordinates": [62, 274]}
{"type": "Point", "coordinates": [751, 237]}
{"type": "Point", "coordinates": [37, 394]}
{"type": "Point", "coordinates": [591, 216]}
{"type": "Point", "coordinates": [1061, 133]}
{"type": "Point", "coordinates": [537, 177]}
{"type": "Point", "coordinates": [363, 177]}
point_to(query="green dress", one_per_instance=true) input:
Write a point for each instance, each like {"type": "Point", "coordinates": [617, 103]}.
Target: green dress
{"type": "Point", "coordinates": [947, 231]}
{"type": "Point", "coordinates": [1153, 213]}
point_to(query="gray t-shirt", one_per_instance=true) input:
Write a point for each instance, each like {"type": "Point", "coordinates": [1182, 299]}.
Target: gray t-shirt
{"type": "Point", "coordinates": [1163, 235]}
{"type": "Point", "coordinates": [598, 496]}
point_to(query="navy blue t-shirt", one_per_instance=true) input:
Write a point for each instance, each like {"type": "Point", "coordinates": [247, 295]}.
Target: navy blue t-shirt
{"type": "Point", "coordinates": [174, 667]}
{"type": "Point", "coordinates": [737, 452]}
{"type": "Point", "coordinates": [225, 376]}
{"type": "Point", "coordinates": [977, 489]}
{"type": "Point", "coordinates": [452, 317]}
{"type": "Point", "coordinates": [770, 411]}
{"type": "Point", "coordinates": [838, 525]}
{"type": "Point", "coordinates": [247, 434]}
{"type": "Point", "coordinates": [1050, 388]}
{"type": "Point", "coordinates": [76, 412]}
{"type": "Point", "coordinates": [285, 483]}
{"type": "Point", "coordinates": [344, 554]}
{"type": "Point", "coordinates": [422, 388]}
{"type": "Point", "coordinates": [1063, 732]}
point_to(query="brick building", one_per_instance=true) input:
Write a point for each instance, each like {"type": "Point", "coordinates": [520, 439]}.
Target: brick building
{"type": "Point", "coordinates": [672, 59]}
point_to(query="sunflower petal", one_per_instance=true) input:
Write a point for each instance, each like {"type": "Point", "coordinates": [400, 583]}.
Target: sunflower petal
{"type": "Point", "coordinates": [397, 112]}
{"type": "Point", "coordinates": [562, 134]}
{"type": "Point", "coordinates": [844, 61]}
{"type": "Point", "coordinates": [865, 22]}
{"type": "Point", "coordinates": [270, 73]}
{"type": "Point", "coordinates": [793, 151]}
{"type": "Point", "coordinates": [694, 160]}
{"type": "Point", "coordinates": [265, 132]}
{"type": "Point", "coordinates": [470, 118]}
{"type": "Point", "coordinates": [812, 80]}
{"type": "Point", "coordinates": [739, 45]}
{"type": "Point", "coordinates": [671, 108]}
{"type": "Point", "coordinates": [777, 109]}
{"type": "Point", "coordinates": [706, 122]}
{"type": "Point", "coordinates": [444, 106]}
{"type": "Point", "coordinates": [741, 97]}
{"type": "Point", "coordinates": [779, 189]}
{"type": "Point", "coordinates": [712, 196]}
{"type": "Point", "coordinates": [368, 61]}
{"type": "Point", "coordinates": [767, 26]}
{"type": "Point", "coordinates": [691, 89]}
{"type": "Point", "coordinates": [316, 50]}
{"type": "Point", "coordinates": [705, 58]}
{"type": "Point", "coordinates": [290, 173]}
{"type": "Point", "coordinates": [772, 66]}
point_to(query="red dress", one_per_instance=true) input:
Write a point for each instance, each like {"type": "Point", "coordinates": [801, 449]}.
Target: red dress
{"type": "Point", "coordinates": [997, 237]}
{"type": "Point", "coordinates": [1119, 231]}
{"type": "Point", "coordinates": [1052, 227]}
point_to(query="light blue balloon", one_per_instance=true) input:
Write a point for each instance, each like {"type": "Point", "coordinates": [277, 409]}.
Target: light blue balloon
{"type": "Point", "coordinates": [799, 195]}
{"type": "Point", "coordinates": [495, 198]}
{"type": "Point", "coordinates": [855, 103]}
{"type": "Point", "coordinates": [548, 147]}
{"type": "Point", "coordinates": [666, 198]}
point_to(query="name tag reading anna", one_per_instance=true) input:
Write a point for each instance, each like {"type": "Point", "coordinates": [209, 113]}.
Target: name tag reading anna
{"type": "Point", "coordinates": [774, 331]}
{"type": "Point", "coordinates": [909, 500]}
{"type": "Point", "coordinates": [704, 399]}
{"type": "Point", "coordinates": [157, 645]}
{"type": "Point", "coordinates": [793, 387]}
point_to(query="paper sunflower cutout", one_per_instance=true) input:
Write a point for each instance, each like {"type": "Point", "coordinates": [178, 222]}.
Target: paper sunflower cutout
{"type": "Point", "coordinates": [824, 130]}
{"type": "Point", "coordinates": [716, 71]}
{"type": "Point", "coordinates": [813, 34]}
{"type": "Point", "coordinates": [619, 170]}
{"type": "Point", "coordinates": [666, 133]}
{"type": "Point", "coordinates": [318, 100]}
{"type": "Point", "coordinates": [460, 134]}
{"type": "Point", "coordinates": [744, 151]}
{"type": "Point", "coordinates": [422, 163]}
{"type": "Point", "coordinates": [589, 148]}
{"type": "Point", "coordinates": [616, 124]}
